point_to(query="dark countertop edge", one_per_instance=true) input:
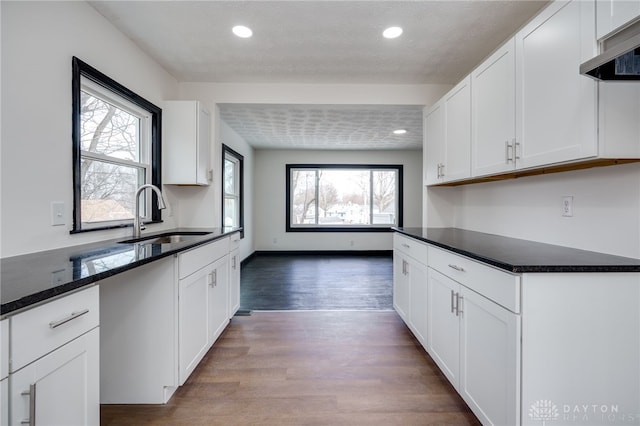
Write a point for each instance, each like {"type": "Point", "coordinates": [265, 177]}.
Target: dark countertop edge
{"type": "Point", "coordinates": [521, 269]}
{"type": "Point", "coordinates": [35, 299]}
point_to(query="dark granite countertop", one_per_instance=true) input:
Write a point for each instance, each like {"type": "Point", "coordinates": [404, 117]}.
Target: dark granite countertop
{"type": "Point", "coordinates": [30, 279]}
{"type": "Point", "coordinates": [520, 256]}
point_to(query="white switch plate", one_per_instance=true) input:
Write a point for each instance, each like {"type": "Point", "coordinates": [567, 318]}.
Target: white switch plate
{"type": "Point", "coordinates": [567, 206]}
{"type": "Point", "coordinates": [58, 213]}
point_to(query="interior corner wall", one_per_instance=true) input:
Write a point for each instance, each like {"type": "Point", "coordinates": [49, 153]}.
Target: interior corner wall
{"type": "Point", "coordinates": [270, 196]}
{"type": "Point", "coordinates": [38, 42]}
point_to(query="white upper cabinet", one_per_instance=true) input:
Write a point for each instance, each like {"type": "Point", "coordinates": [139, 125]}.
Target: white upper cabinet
{"type": "Point", "coordinates": [457, 156]}
{"type": "Point", "coordinates": [613, 15]}
{"type": "Point", "coordinates": [556, 109]}
{"type": "Point", "coordinates": [433, 143]}
{"type": "Point", "coordinates": [447, 136]}
{"type": "Point", "coordinates": [186, 137]}
{"type": "Point", "coordinates": [493, 116]}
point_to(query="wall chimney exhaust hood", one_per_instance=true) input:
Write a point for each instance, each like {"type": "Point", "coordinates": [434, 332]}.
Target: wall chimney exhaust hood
{"type": "Point", "coordinates": [620, 57]}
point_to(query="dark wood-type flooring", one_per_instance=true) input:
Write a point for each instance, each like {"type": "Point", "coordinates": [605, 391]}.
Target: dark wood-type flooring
{"type": "Point", "coordinates": [309, 368]}
{"type": "Point", "coordinates": [317, 282]}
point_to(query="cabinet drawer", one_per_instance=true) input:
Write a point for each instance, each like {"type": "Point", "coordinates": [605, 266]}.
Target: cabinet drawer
{"type": "Point", "coordinates": [192, 260]}
{"type": "Point", "coordinates": [40, 330]}
{"type": "Point", "coordinates": [499, 286]}
{"type": "Point", "coordinates": [411, 247]}
{"type": "Point", "coordinates": [234, 241]}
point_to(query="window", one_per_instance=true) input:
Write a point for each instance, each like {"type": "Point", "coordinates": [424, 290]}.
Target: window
{"type": "Point", "coordinates": [232, 188]}
{"type": "Point", "coordinates": [343, 197]}
{"type": "Point", "coordinates": [116, 148]}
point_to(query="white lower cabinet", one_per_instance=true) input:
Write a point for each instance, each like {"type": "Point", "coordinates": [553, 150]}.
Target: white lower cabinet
{"type": "Point", "coordinates": [61, 388]}
{"type": "Point", "coordinates": [410, 284]}
{"type": "Point", "coordinates": [444, 325]}
{"type": "Point", "coordinates": [4, 402]}
{"type": "Point", "coordinates": [203, 302]}
{"type": "Point", "coordinates": [474, 340]}
{"type": "Point", "coordinates": [489, 359]}
{"type": "Point", "coordinates": [4, 372]}
{"type": "Point", "coordinates": [234, 282]}
{"type": "Point", "coordinates": [55, 371]}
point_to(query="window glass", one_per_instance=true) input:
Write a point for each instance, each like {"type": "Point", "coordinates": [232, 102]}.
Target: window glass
{"type": "Point", "coordinates": [343, 197]}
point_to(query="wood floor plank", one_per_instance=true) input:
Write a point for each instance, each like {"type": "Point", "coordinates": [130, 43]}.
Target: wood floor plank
{"type": "Point", "coordinates": [309, 368]}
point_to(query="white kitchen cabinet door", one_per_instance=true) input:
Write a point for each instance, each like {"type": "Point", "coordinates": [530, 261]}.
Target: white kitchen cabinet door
{"type": "Point", "coordinates": [234, 282]}
{"type": "Point", "coordinates": [493, 112]}
{"type": "Point", "coordinates": [418, 300]}
{"type": "Point", "coordinates": [489, 359]}
{"type": "Point", "coordinates": [444, 325]}
{"type": "Point", "coordinates": [218, 299]}
{"type": "Point", "coordinates": [401, 285]}
{"type": "Point", "coordinates": [193, 311]}
{"type": "Point", "coordinates": [433, 143]}
{"type": "Point", "coordinates": [186, 138]}
{"type": "Point", "coordinates": [457, 129]}
{"type": "Point", "coordinates": [4, 402]}
{"type": "Point", "coordinates": [613, 15]}
{"type": "Point", "coordinates": [556, 111]}
{"type": "Point", "coordinates": [61, 388]}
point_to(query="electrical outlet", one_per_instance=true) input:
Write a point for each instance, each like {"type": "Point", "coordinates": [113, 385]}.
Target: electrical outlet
{"type": "Point", "coordinates": [567, 206]}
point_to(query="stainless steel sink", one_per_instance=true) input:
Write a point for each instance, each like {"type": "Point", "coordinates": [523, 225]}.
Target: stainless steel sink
{"type": "Point", "coordinates": [168, 238]}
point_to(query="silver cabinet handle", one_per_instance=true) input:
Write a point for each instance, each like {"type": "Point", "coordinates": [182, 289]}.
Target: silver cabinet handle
{"type": "Point", "coordinates": [453, 296]}
{"type": "Point", "coordinates": [405, 245]}
{"type": "Point", "coordinates": [31, 393]}
{"type": "Point", "coordinates": [233, 262]}
{"type": "Point", "coordinates": [212, 279]}
{"type": "Point", "coordinates": [456, 267]}
{"type": "Point", "coordinates": [458, 301]}
{"type": "Point", "coordinates": [516, 145]}
{"type": "Point", "coordinates": [507, 154]}
{"type": "Point", "coordinates": [74, 315]}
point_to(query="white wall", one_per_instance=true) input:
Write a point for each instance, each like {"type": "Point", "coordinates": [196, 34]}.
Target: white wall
{"type": "Point", "coordinates": [38, 41]}
{"type": "Point", "coordinates": [606, 215]}
{"type": "Point", "coordinates": [269, 199]}
{"type": "Point", "coordinates": [201, 206]}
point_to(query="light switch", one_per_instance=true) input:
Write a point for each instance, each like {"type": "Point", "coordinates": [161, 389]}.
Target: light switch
{"type": "Point", "coordinates": [58, 213]}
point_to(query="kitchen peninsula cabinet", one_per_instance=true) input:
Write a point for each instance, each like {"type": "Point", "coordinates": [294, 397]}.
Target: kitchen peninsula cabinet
{"type": "Point", "coordinates": [186, 138]}
{"type": "Point", "coordinates": [54, 372]}
{"type": "Point", "coordinates": [515, 324]}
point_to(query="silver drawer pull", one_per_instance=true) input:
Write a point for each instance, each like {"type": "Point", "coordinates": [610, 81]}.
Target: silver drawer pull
{"type": "Point", "coordinates": [31, 393]}
{"type": "Point", "coordinates": [405, 245]}
{"type": "Point", "coordinates": [74, 315]}
{"type": "Point", "coordinates": [456, 267]}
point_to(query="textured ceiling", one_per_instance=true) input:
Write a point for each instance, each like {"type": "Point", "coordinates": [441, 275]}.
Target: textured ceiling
{"type": "Point", "coordinates": [323, 41]}
{"type": "Point", "coordinates": [325, 126]}
{"type": "Point", "coordinates": [318, 41]}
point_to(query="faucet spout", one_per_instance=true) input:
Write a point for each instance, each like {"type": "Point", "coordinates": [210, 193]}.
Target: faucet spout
{"type": "Point", "coordinates": [136, 219]}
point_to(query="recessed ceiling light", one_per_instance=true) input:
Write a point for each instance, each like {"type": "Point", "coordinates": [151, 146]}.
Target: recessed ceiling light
{"type": "Point", "coordinates": [242, 31]}
{"type": "Point", "coordinates": [399, 132]}
{"type": "Point", "coordinates": [392, 32]}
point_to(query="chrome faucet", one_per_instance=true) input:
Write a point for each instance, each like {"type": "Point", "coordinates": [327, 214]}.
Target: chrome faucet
{"type": "Point", "coordinates": [137, 224]}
